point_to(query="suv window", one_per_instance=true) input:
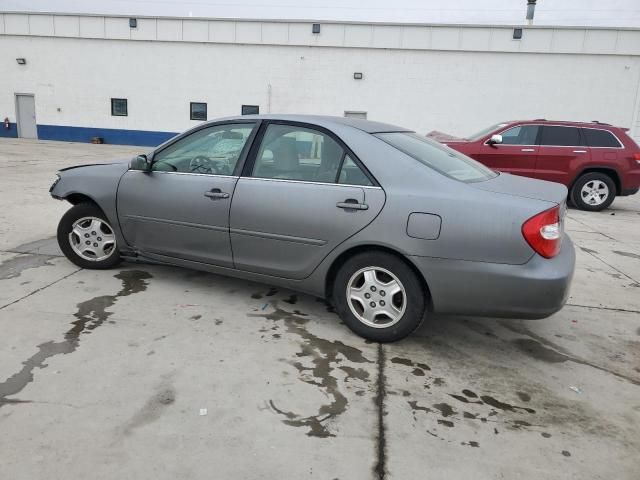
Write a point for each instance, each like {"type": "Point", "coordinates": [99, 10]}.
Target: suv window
{"type": "Point", "coordinates": [214, 150]}
{"type": "Point", "coordinates": [297, 153]}
{"type": "Point", "coordinates": [600, 138]}
{"type": "Point", "coordinates": [435, 155]}
{"type": "Point", "coordinates": [560, 136]}
{"type": "Point", "coordinates": [520, 135]}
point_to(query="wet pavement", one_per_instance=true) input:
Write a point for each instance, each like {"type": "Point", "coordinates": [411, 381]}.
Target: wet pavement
{"type": "Point", "coordinates": [158, 372]}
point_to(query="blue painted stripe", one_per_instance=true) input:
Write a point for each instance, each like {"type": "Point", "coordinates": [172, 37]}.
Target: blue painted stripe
{"type": "Point", "coordinates": [12, 132]}
{"type": "Point", "coordinates": [109, 135]}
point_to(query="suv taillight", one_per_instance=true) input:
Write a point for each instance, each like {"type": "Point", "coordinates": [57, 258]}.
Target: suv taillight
{"type": "Point", "coordinates": [636, 157]}
{"type": "Point", "coordinates": [543, 232]}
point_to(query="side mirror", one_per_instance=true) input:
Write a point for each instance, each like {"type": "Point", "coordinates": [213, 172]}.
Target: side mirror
{"type": "Point", "coordinates": [141, 162]}
{"type": "Point", "coordinates": [495, 139]}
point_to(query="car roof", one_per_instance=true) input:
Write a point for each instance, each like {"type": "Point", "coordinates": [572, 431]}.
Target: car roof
{"type": "Point", "coordinates": [544, 121]}
{"type": "Point", "coordinates": [325, 121]}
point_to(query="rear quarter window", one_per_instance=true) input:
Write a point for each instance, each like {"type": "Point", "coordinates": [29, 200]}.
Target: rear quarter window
{"type": "Point", "coordinates": [600, 138]}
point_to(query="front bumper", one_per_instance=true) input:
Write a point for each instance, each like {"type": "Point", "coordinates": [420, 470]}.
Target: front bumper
{"type": "Point", "coordinates": [535, 289]}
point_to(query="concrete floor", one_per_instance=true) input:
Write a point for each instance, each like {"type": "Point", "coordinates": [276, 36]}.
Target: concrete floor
{"type": "Point", "coordinates": [106, 374]}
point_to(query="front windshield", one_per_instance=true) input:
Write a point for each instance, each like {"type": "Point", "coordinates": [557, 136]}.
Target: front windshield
{"type": "Point", "coordinates": [439, 157]}
{"type": "Point", "coordinates": [486, 131]}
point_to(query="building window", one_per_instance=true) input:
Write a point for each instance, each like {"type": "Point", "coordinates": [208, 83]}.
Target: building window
{"type": "Point", "coordinates": [354, 114]}
{"type": "Point", "coordinates": [250, 109]}
{"type": "Point", "coordinates": [119, 107]}
{"type": "Point", "coordinates": [198, 111]}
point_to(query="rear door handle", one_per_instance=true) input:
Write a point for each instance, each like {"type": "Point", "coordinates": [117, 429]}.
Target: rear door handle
{"type": "Point", "coordinates": [216, 193]}
{"type": "Point", "coordinates": [579, 151]}
{"type": "Point", "coordinates": [528, 149]}
{"type": "Point", "coordinates": [352, 204]}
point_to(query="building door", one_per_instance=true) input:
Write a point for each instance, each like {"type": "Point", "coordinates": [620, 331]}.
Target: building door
{"type": "Point", "coordinates": [26, 116]}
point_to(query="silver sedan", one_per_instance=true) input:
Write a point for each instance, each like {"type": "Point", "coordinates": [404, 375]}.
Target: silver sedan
{"type": "Point", "coordinates": [387, 225]}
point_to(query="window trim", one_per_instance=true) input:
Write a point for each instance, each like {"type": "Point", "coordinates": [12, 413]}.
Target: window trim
{"type": "Point", "coordinates": [126, 107]}
{"type": "Point", "coordinates": [243, 155]}
{"type": "Point", "coordinates": [247, 171]}
{"type": "Point", "coordinates": [191, 104]}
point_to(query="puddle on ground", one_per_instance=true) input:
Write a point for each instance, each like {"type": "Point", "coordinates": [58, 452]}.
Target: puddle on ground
{"type": "Point", "coordinates": [325, 357]}
{"type": "Point", "coordinates": [13, 267]}
{"type": "Point", "coordinates": [89, 316]}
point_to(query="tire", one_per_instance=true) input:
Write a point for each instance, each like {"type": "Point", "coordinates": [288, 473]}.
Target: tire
{"type": "Point", "coordinates": [593, 182]}
{"type": "Point", "coordinates": [91, 225]}
{"type": "Point", "coordinates": [388, 269]}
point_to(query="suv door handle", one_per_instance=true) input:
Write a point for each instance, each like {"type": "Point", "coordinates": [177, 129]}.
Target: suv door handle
{"type": "Point", "coordinates": [579, 151]}
{"type": "Point", "coordinates": [216, 193]}
{"type": "Point", "coordinates": [352, 204]}
{"type": "Point", "coordinates": [528, 150]}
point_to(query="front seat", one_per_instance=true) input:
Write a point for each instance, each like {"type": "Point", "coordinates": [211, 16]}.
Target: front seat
{"type": "Point", "coordinates": [285, 159]}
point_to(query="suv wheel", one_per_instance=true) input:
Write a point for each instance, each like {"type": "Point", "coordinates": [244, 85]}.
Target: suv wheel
{"type": "Point", "coordinates": [379, 297]}
{"type": "Point", "coordinates": [86, 237]}
{"type": "Point", "coordinates": [593, 191]}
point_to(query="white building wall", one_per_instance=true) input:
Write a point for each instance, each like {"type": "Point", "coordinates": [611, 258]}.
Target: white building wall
{"type": "Point", "coordinates": [449, 78]}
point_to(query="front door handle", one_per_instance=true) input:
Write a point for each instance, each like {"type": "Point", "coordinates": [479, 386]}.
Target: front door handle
{"type": "Point", "coordinates": [579, 151]}
{"type": "Point", "coordinates": [528, 150]}
{"type": "Point", "coordinates": [216, 193]}
{"type": "Point", "coordinates": [352, 204]}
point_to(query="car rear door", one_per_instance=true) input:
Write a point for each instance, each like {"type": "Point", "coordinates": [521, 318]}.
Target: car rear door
{"type": "Point", "coordinates": [180, 208]}
{"type": "Point", "coordinates": [562, 153]}
{"type": "Point", "coordinates": [603, 145]}
{"type": "Point", "coordinates": [301, 195]}
{"type": "Point", "coordinates": [516, 154]}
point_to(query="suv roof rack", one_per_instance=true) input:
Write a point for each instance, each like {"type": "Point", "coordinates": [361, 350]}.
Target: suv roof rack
{"type": "Point", "coordinates": [600, 123]}
{"type": "Point", "coordinates": [539, 119]}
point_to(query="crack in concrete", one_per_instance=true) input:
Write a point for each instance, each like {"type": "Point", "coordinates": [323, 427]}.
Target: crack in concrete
{"type": "Point", "coordinates": [380, 468]}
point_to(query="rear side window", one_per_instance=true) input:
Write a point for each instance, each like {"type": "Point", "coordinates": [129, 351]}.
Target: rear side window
{"type": "Point", "coordinates": [600, 138]}
{"type": "Point", "coordinates": [438, 157]}
{"type": "Point", "coordinates": [560, 136]}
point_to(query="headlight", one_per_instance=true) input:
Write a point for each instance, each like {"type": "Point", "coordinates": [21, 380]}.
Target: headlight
{"type": "Point", "coordinates": [55, 182]}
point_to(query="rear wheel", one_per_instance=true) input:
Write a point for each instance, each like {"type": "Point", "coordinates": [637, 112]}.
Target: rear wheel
{"type": "Point", "coordinates": [593, 191]}
{"type": "Point", "coordinates": [379, 296]}
{"type": "Point", "coordinates": [86, 237]}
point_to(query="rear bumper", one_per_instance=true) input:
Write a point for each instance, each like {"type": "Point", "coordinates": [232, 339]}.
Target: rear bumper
{"type": "Point", "coordinates": [535, 289]}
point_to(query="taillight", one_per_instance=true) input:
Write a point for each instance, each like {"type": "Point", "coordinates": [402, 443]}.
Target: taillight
{"type": "Point", "coordinates": [636, 157]}
{"type": "Point", "coordinates": [543, 232]}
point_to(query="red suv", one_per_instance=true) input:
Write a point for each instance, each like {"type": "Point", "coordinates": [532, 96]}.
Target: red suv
{"type": "Point", "coordinates": [596, 161]}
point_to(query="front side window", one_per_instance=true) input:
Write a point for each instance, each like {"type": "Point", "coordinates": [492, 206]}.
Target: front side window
{"type": "Point", "coordinates": [198, 111]}
{"type": "Point", "coordinates": [520, 135]}
{"type": "Point", "coordinates": [600, 138]}
{"type": "Point", "coordinates": [119, 107]}
{"type": "Point", "coordinates": [486, 131]}
{"type": "Point", "coordinates": [213, 150]}
{"type": "Point", "coordinates": [556, 136]}
{"type": "Point", "coordinates": [297, 153]}
{"type": "Point", "coordinates": [438, 157]}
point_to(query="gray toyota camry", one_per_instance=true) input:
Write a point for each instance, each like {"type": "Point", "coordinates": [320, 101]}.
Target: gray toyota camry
{"type": "Point", "coordinates": [387, 225]}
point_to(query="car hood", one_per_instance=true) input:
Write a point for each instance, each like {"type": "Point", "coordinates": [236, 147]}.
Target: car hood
{"type": "Point", "coordinates": [515, 185]}
{"type": "Point", "coordinates": [113, 162]}
{"type": "Point", "coordinates": [445, 137]}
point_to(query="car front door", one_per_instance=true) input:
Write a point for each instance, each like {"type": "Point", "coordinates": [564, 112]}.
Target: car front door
{"type": "Point", "coordinates": [562, 151]}
{"type": "Point", "coordinates": [516, 154]}
{"type": "Point", "coordinates": [181, 207]}
{"type": "Point", "coordinates": [302, 194]}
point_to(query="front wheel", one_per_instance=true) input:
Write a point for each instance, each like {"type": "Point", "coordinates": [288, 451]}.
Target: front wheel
{"type": "Point", "coordinates": [86, 237]}
{"type": "Point", "coordinates": [593, 192]}
{"type": "Point", "coordinates": [379, 296]}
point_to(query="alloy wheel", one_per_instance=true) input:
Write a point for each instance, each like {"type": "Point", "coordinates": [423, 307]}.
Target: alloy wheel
{"type": "Point", "coordinates": [594, 192]}
{"type": "Point", "coordinates": [376, 297]}
{"type": "Point", "coordinates": [92, 239]}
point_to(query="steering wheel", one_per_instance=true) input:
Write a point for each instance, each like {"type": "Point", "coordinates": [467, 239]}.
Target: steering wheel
{"type": "Point", "coordinates": [202, 164]}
